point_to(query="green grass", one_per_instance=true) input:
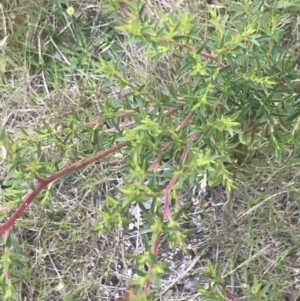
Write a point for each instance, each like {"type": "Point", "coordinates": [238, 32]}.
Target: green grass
{"type": "Point", "coordinates": [48, 67]}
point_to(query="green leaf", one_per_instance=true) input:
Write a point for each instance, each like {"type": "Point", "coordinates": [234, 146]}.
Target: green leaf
{"type": "Point", "coordinates": [12, 242]}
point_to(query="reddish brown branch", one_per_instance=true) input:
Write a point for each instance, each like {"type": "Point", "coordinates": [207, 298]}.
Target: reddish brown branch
{"type": "Point", "coordinates": [155, 164]}
{"type": "Point", "coordinates": [154, 251]}
{"type": "Point", "coordinates": [167, 193]}
{"type": "Point", "coordinates": [185, 121]}
{"type": "Point", "coordinates": [125, 13]}
{"type": "Point", "coordinates": [156, 244]}
{"type": "Point", "coordinates": [174, 179]}
{"type": "Point", "coordinates": [187, 147]}
{"type": "Point", "coordinates": [210, 56]}
{"type": "Point", "coordinates": [228, 293]}
{"type": "Point", "coordinates": [31, 195]}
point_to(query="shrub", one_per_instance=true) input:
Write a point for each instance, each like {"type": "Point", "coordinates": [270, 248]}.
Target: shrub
{"type": "Point", "coordinates": [228, 92]}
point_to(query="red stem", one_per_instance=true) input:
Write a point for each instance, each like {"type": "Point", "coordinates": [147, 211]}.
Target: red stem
{"type": "Point", "coordinates": [228, 293]}
{"type": "Point", "coordinates": [185, 121]}
{"type": "Point", "coordinates": [168, 190]}
{"type": "Point", "coordinates": [6, 226]}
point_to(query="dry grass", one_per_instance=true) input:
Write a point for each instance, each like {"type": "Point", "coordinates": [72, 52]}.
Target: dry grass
{"type": "Point", "coordinates": [48, 70]}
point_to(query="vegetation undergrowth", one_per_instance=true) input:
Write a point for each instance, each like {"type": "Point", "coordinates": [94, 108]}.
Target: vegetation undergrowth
{"type": "Point", "coordinates": [208, 100]}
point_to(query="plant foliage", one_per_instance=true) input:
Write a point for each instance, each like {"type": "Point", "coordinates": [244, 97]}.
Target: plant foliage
{"type": "Point", "coordinates": [233, 94]}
